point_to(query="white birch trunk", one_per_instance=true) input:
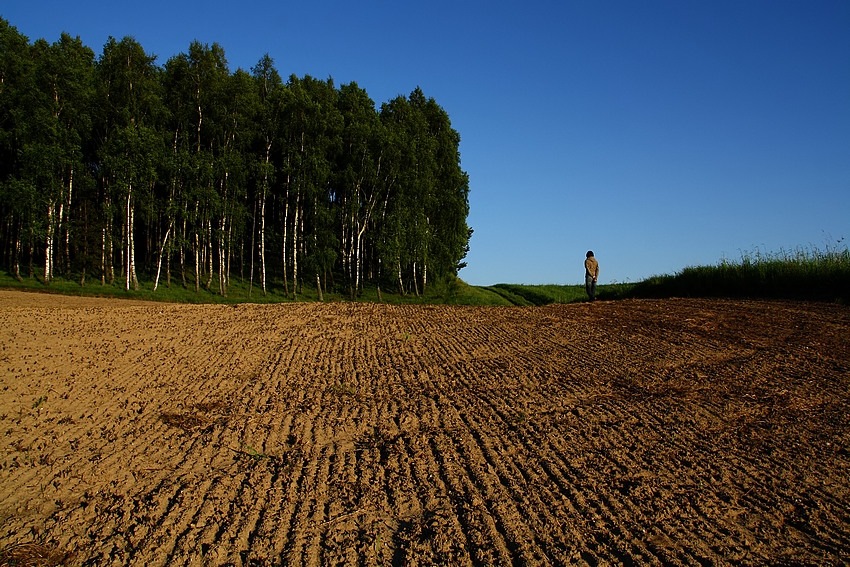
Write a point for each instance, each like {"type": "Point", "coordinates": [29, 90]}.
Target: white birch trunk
{"type": "Point", "coordinates": [183, 255]}
{"type": "Point", "coordinates": [285, 229]}
{"type": "Point", "coordinates": [222, 261]}
{"type": "Point", "coordinates": [132, 239]}
{"type": "Point", "coordinates": [103, 256]}
{"type": "Point", "coordinates": [263, 219]}
{"type": "Point", "coordinates": [345, 241]}
{"type": "Point", "coordinates": [197, 253]}
{"type": "Point", "coordinates": [197, 261]}
{"type": "Point", "coordinates": [356, 260]}
{"type": "Point", "coordinates": [209, 251]}
{"type": "Point", "coordinates": [161, 252]}
{"type": "Point", "coordinates": [127, 244]}
{"type": "Point", "coordinates": [222, 226]}
{"type": "Point", "coordinates": [295, 244]}
{"type": "Point", "coordinates": [59, 226]}
{"type": "Point", "coordinates": [415, 281]}
{"type": "Point", "coordinates": [48, 243]}
{"type": "Point", "coordinates": [68, 223]}
{"type": "Point", "coordinates": [263, 241]}
{"type": "Point", "coordinates": [130, 247]}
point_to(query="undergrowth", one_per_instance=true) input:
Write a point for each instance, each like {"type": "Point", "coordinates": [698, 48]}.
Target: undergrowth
{"type": "Point", "coordinates": [811, 274]}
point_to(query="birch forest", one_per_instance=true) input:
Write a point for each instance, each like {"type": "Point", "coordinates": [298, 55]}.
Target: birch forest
{"type": "Point", "coordinates": [115, 170]}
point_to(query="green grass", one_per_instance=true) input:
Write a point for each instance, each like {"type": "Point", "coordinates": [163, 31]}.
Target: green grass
{"type": "Point", "coordinates": [238, 292]}
{"type": "Point", "coordinates": [812, 274]}
{"type": "Point", "coordinates": [546, 294]}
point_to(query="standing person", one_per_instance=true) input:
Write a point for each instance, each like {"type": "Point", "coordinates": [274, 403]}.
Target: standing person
{"type": "Point", "coordinates": [591, 274]}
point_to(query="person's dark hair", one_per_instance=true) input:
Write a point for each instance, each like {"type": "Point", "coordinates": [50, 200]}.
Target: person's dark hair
{"type": "Point", "coordinates": [589, 253]}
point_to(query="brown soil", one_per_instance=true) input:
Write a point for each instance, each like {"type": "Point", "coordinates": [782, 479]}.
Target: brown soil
{"type": "Point", "coordinates": [653, 432]}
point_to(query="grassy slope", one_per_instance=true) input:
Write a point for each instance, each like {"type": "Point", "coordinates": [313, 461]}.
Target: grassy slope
{"type": "Point", "coordinates": [814, 275]}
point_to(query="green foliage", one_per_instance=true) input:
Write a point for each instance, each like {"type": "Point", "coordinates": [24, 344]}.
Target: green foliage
{"type": "Point", "coordinates": [191, 172]}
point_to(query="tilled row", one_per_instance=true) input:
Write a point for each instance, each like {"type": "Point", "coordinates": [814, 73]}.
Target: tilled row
{"type": "Point", "coordinates": [636, 432]}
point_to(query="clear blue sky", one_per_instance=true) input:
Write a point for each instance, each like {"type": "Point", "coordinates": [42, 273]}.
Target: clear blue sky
{"type": "Point", "coordinates": [660, 134]}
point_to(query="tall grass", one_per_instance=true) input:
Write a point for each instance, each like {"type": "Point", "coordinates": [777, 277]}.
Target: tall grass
{"type": "Point", "coordinates": [813, 273]}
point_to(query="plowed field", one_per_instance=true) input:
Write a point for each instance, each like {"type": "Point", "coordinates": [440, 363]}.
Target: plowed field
{"type": "Point", "coordinates": [678, 432]}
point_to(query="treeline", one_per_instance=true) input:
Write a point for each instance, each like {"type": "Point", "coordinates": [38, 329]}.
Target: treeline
{"type": "Point", "coordinates": [115, 169]}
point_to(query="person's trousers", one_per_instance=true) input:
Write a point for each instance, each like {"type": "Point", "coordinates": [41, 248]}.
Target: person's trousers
{"type": "Point", "coordinates": [590, 286]}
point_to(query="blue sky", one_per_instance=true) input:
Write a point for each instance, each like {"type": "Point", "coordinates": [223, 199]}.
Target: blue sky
{"type": "Point", "coordinates": [660, 134]}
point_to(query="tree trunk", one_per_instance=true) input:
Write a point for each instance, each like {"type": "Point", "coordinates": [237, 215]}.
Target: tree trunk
{"type": "Point", "coordinates": [31, 256]}
{"type": "Point", "coordinates": [48, 243]}
{"type": "Point", "coordinates": [85, 264]}
{"type": "Point", "coordinates": [161, 252]}
{"type": "Point", "coordinates": [127, 242]}
{"type": "Point", "coordinates": [209, 251]}
{"type": "Point", "coordinates": [263, 221]}
{"type": "Point", "coordinates": [358, 257]}
{"type": "Point", "coordinates": [296, 218]}
{"type": "Point", "coordinates": [222, 258]}
{"type": "Point", "coordinates": [296, 240]}
{"type": "Point", "coordinates": [222, 231]}
{"type": "Point", "coordinates": [415, 281]}
{"type": "Point", "coordinates": [197, 252]}
{"type": "Point", "coordinates": [130, 247]}
{"type": "Point", "coordinates": [103, 256]}
{"type": "Point", "coordinates": [16, 269]}
{"type": "Point", "coordinates": [106, 243]}
{"type": "Point", "coordinates": [424, 276]}
{"type": "Point", "coordinates": [228, 254]}
{"type": "Point", "coordinates": [285, 228]}
{"type": "Point", "coordinates": [263, 242]}
{"type": "Point", "coordinates": [133, 249]}
{"type": "Point", "coordinates": [59, 226]}
{"type": "Point", "coordinates": [253, 237]}
{"type": "Point", "coordinates": [67, 223]}
{"type": "Point", "coordinates": [222, 263]}
{"type": "Point", "coordinates": [400, 278]}
{"type": "Point", "coordinates": [183, 254]}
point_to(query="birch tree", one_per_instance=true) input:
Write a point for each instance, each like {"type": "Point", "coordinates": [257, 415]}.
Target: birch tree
{"type": "Point", "coordinates": [269, 87]}
{"type": "Point", "coordinates": [424, 224]}
{"type": "Point", "coordinates": [358, 174]}
{"type": "Point", "coordinates": [18, 195]}
{"type": "Point", "coordinates": [405, 239]}
{"type": "Point", "coordinates": [239, 105]}
{"type": "Point", "coordinates": [61, 106]}
{"type": "Point", "coordinates": [132, 147]}
{"type": "Point", "coordinates": [447, 197]}
{"type": "Point", "coordinates": [194, 82]}
{"type": "Point", "coordinates": [194, 166]}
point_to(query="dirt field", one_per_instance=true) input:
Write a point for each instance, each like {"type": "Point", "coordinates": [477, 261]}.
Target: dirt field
{"type": "Point", "coordinates": [676, 432]}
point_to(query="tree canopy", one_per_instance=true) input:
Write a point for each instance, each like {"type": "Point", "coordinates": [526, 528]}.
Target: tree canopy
{"type": "Point", "coordinates": [118, 169]}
